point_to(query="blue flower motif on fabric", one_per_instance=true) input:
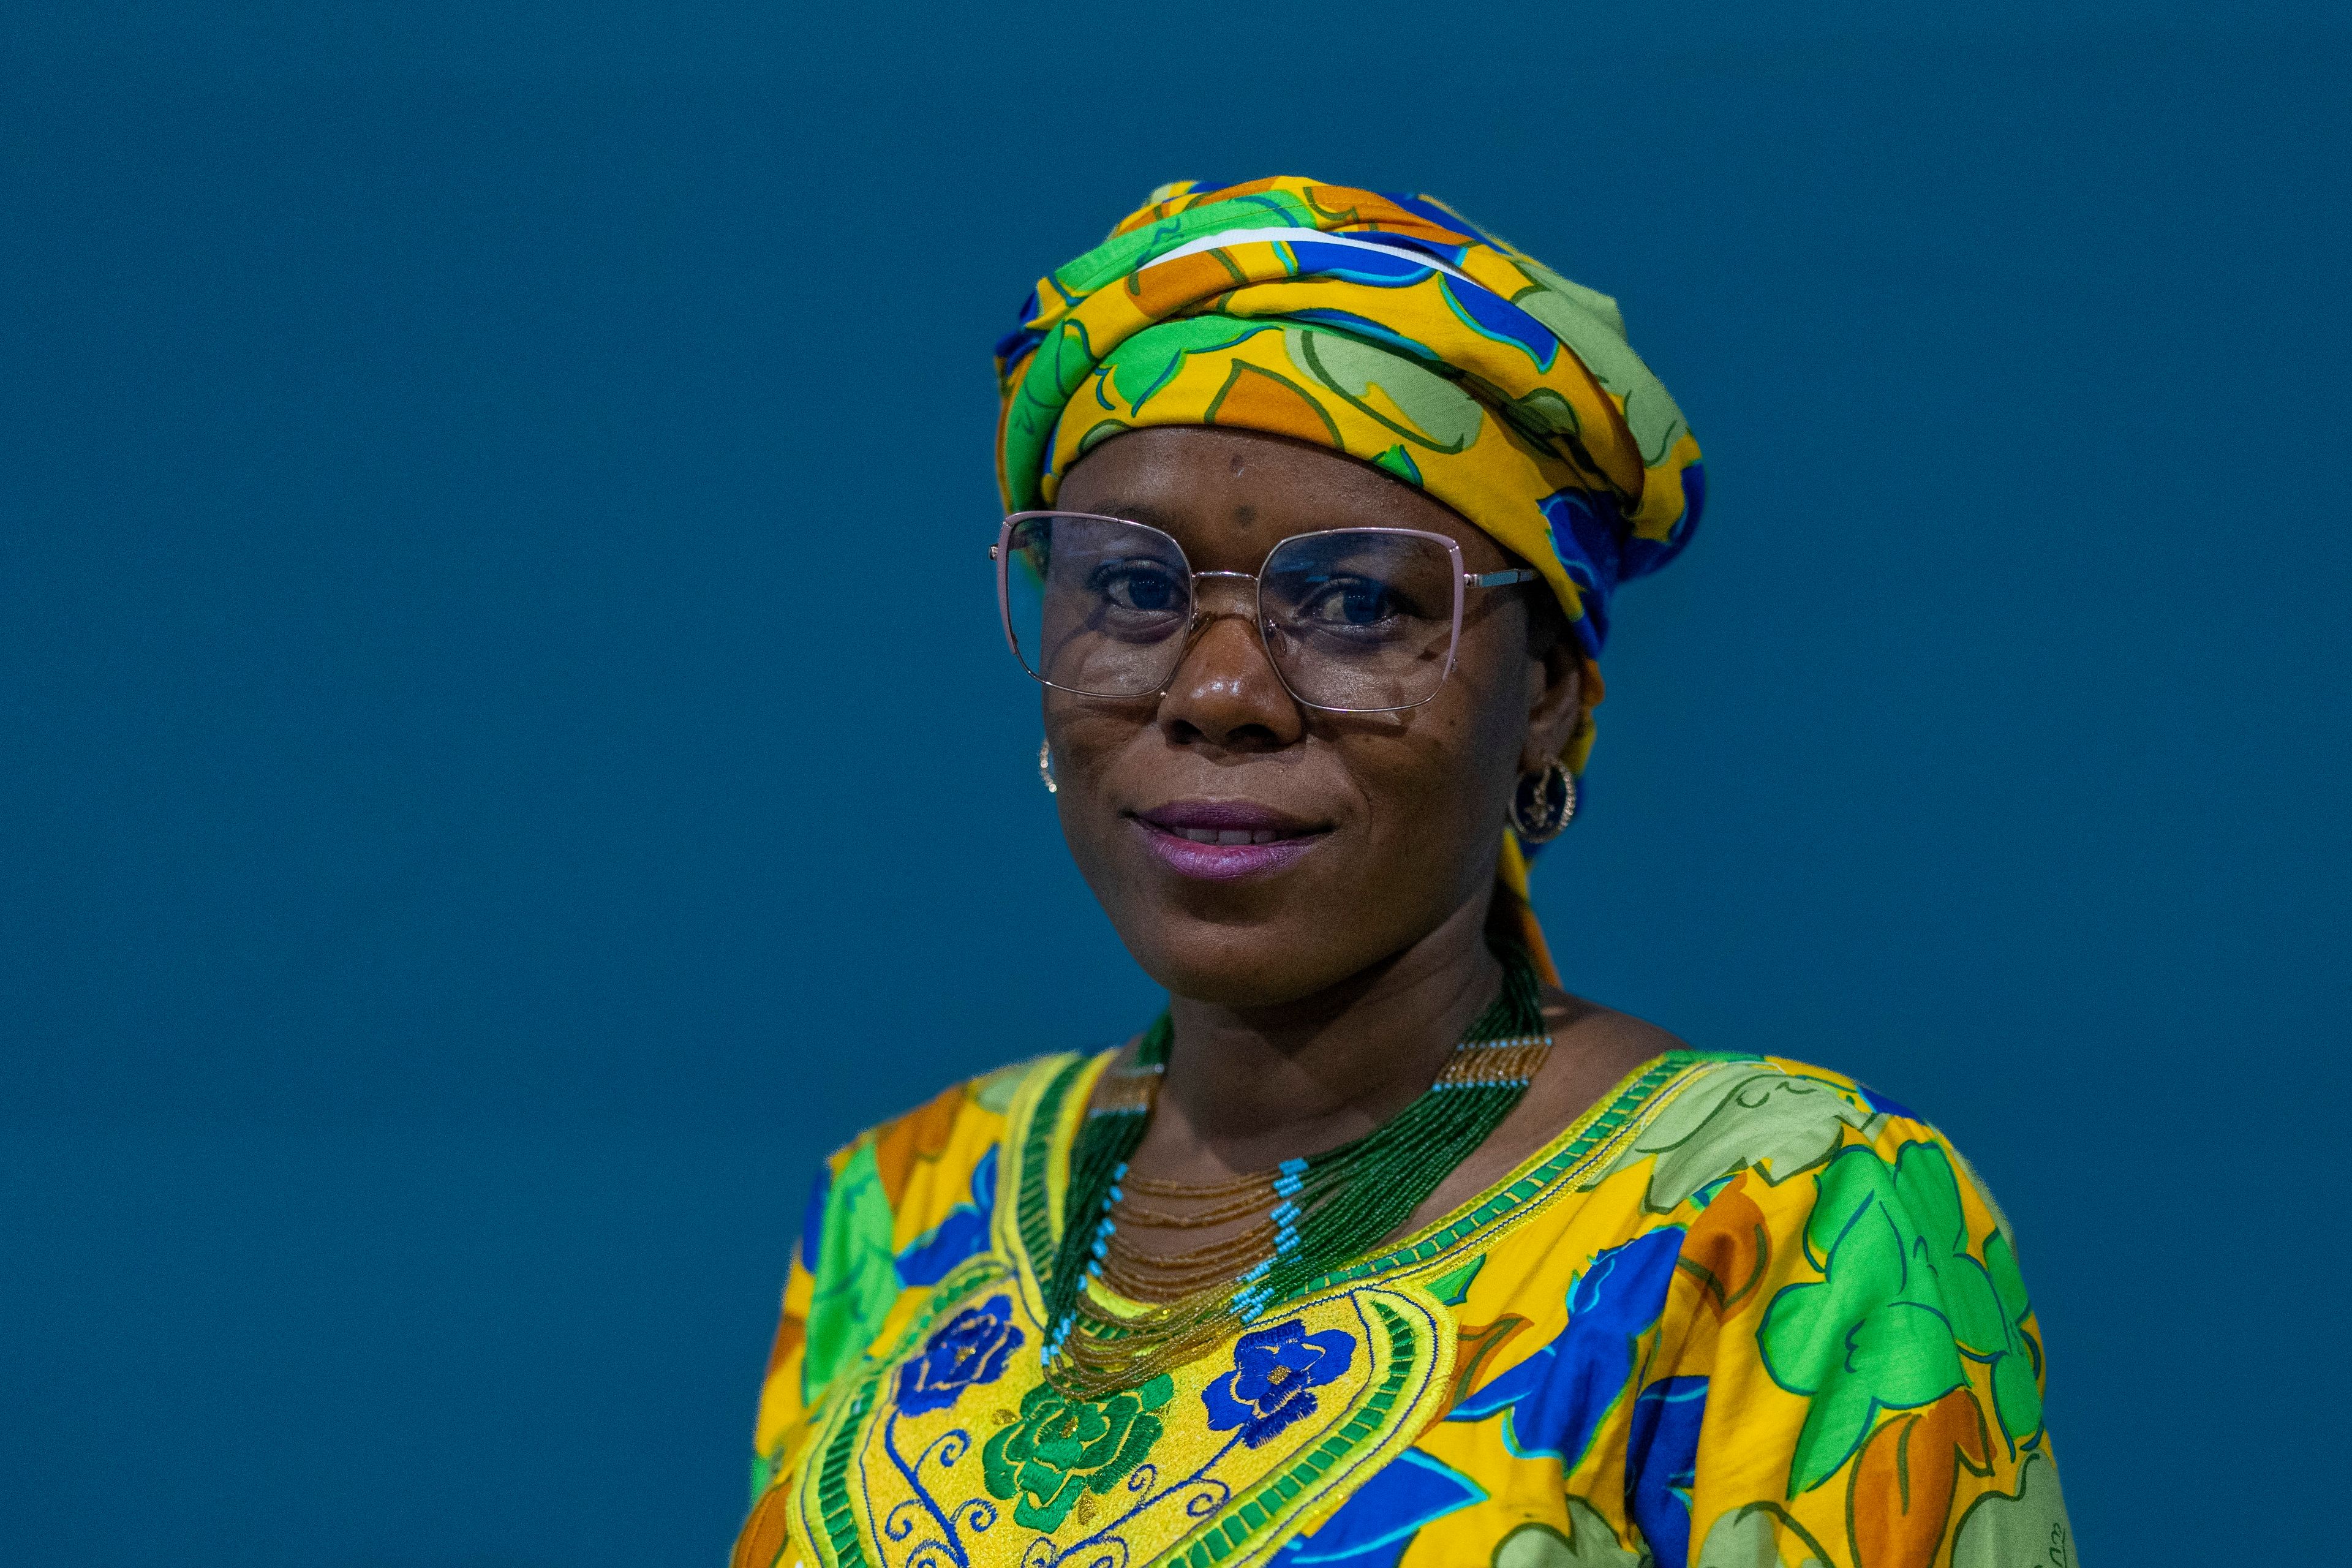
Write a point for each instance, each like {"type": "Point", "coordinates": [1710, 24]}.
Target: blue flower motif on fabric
{"type": "Point", "coordinates": [971, 1350]}
{"type": "Point", "coordinates": [1587, 535]}
{"type": "Point", "coordinates": [1374, 1526]}
{"type": "Point", "coordinates": [1662, 1463]}
{"type": "Point", "coordinates": [1276, 1371]}
{"type": "Point", "coordinates": [1556, 1399]}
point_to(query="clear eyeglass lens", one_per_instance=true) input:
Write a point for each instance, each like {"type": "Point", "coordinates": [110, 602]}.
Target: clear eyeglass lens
{"type": "Point", "coordinates": [1096, 605]}
{"type": "Point", "coordinates": [1360, 619]}
{"type": "Point", "coordinates": [1355, 619]}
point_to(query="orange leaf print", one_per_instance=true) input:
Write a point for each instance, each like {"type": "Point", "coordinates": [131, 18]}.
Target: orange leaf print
{"type": "Point", "coordinates": [1161, 289]}
{"type": "Point", "coordinates": [1728, 1248]}
{"type": "Point", "coordinates": [920, 1134]}
{"type": "Point", "coordinates": [1901, 1495]}
{"type": "Point", "coordinates": [1473, 1348]}
{"type": "Point", "coordinates": [791, 1334]}
{"type": "Point", "coordinates": [1254, 399]}
{"type": "Point", "coordinates": [764, 1537]}
{"type": "Point", "coordinates": [1376, 211]}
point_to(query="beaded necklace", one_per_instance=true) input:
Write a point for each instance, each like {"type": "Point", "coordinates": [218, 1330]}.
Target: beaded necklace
{"type": "Point", "coordinates": [1316, 1213]}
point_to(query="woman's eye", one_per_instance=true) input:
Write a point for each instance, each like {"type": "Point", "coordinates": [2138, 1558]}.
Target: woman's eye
{"type": "Point", "coordinates": [1353, 602]}
{"type": "Point", "coordinates": [1146, 588]}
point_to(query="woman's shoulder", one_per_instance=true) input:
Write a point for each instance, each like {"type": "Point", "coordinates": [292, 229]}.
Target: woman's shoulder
{"type": "Point", "coordinates": [938, 1157]}
{"type": "Point", "coordinates": [891, 1214]}
{"type": "Point", "coordinates": [981, 1104]}
{"type": "Point", "coordinates": [1721, 1115]}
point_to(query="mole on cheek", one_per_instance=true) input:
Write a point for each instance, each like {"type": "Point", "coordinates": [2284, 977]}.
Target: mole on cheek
{"type": "Point", "coordinates": [1243, 516]}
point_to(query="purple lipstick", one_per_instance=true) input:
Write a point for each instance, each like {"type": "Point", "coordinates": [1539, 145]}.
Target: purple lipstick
{"type": "Point", "coordinates": [1220, 840]}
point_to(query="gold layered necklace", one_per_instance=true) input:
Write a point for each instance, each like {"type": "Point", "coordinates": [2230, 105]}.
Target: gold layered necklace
{"type": "Point", "coordinates": [1159, 1274]}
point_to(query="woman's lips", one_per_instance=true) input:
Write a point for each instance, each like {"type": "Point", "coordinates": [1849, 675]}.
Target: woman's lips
{"type": "Point", "coordinates": [1220, 840]}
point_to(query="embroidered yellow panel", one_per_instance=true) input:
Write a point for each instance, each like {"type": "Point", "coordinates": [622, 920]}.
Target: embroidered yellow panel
{"type": "Point", "coordinates": [952, 1451]}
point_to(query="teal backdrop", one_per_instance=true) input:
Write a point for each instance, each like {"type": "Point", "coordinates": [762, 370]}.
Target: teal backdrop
{"type": "Point", "coordinates": [505, 754]}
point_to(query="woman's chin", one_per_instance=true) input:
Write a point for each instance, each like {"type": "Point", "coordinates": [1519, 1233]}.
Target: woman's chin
{"type": "Point", "coordinates": [1269, 959]}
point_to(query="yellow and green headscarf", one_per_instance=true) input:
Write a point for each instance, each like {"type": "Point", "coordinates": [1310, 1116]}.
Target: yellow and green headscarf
{"type": "Point", "coordinates": [1385, 327]}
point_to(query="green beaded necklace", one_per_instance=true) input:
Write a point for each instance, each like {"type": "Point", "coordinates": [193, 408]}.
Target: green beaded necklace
{"type": "Point", "coordinates": [1328, 1208]}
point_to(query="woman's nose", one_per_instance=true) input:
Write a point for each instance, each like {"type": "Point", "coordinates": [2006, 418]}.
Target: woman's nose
{"type": "Point", "coordinates": [1225, 690]}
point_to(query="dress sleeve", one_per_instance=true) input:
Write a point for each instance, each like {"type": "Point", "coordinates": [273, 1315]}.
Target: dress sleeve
{"type": "Point", "coordinates": [888, 1216]}
{"type": "Point", "coordinates": [782, 1400]}
{"type": "Point", "coordinates": [839, 1285]}
{"type": "Point", "coordinates": [1849, 1374]}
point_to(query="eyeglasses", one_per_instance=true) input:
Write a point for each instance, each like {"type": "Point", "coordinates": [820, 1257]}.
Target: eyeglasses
{"type": "Point", "coordinates": [1355, 620]}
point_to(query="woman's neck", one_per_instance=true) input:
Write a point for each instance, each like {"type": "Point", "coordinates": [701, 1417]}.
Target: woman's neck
{"type": "Point", "coordinates": [1248, 1087]}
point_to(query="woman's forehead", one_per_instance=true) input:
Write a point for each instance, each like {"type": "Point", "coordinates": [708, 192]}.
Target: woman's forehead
{"type": "Point", "coordinates": [1225, 492]}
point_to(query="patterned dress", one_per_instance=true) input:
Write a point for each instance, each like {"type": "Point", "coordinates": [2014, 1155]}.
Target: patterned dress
{"type": "Point", "coordinates": [1744, 1313]}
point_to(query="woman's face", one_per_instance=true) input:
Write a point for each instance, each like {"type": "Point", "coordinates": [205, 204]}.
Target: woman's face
{"type": "Point", "coordinates": [1386, 824]}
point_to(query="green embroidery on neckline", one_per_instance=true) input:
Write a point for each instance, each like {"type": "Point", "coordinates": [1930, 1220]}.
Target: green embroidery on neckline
{"type": "Point", "coordinates": [1033, 1216]}
{"type": "Point", "coordinates": [835, 1510]}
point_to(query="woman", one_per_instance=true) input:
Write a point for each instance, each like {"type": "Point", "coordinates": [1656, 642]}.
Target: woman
{"type": "Point", "coordinates": [1377, 1248]}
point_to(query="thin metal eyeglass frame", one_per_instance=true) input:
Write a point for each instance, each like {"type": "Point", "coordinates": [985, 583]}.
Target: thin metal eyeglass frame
{"type": "Point", "coordinates": [1001, 553]}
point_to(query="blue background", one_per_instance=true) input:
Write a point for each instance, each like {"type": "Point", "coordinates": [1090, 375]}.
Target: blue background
{"type": "Point", "coordinates": [506, 755]}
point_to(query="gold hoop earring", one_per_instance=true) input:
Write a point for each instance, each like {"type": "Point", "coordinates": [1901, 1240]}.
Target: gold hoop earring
{"type": "Point", "coordinates": [1045, 767]}
{"type": "Point", "coordinates": [1543, 803]}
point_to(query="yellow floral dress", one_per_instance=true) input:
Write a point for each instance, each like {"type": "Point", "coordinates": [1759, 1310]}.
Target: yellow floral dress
{"type": "Point", "coordinates": [1745, 1313]}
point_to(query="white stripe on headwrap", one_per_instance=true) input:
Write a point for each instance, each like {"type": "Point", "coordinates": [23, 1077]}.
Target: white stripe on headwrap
{"type": "Point", "coordinates": [1348, 241]}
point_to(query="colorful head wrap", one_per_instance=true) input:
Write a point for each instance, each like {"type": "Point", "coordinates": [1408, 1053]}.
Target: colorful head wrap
{"type": "Point", "coordinates": [1385, 327]}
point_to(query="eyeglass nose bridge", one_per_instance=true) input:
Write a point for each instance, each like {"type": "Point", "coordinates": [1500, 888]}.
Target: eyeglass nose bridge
{"type": "Point", "coordinates": [1237, 578]}
{"type": "Point", "coordinates": [1244, 605]}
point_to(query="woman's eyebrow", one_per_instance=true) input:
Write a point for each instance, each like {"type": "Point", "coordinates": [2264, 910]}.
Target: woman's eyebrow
{"type": "Point", "coordinates": [1143, 512]}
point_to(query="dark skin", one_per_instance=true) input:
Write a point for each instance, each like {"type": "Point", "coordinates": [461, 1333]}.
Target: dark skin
{"type": "Point", "coordinates": [1315, 1001]}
